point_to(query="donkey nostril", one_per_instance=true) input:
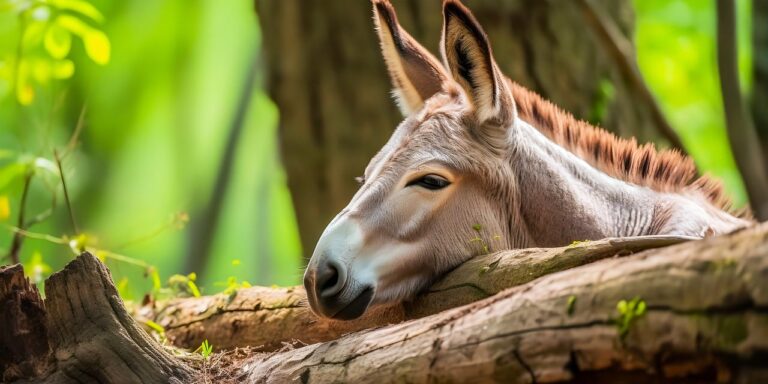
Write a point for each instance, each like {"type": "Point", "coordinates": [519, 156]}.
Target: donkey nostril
{"type": "Point", "coordinates": [330, 279]}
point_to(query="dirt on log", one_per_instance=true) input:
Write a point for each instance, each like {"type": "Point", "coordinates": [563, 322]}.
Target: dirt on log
{"type": "Point", "coordinates": [690, 312]}
{"type": "Point", "coordinates": [269, 318]}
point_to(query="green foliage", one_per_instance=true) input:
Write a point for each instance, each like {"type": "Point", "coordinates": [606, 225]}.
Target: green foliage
{"type": "Point", "coordinates": [205, 349]}
{"type": "Point", "coordinates": [484, 246]}
{"type": "Point", "coordinates": [629, 311]}
{"type": "Point", "coordinates": [45, 42]}
{"type": "Point", "coordinates": [676, 47]}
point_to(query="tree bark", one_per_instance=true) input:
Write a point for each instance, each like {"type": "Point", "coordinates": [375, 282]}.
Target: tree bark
{"type": "Point", "coordinates": [760, 72]}
{"type": "Point", "coordinates": [80, 333]}
{"type": "Point", "coordinates": [269, 318]}
{"type": "Point", "coordinates": [704, 319]}
{"type": "Point", "coordinates": [327, 77]}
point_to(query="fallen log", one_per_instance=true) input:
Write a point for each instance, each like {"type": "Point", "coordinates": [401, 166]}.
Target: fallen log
{"type": "Point", "coordinates": [696, 311]}
{"type": "Point", "coordinates": [704, 317]}
{"type": "Point", "coordinates": [268, 318]}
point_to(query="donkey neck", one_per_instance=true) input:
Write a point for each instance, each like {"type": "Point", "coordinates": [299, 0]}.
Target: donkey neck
{"type": "Point", "coordinates": [564, 199]}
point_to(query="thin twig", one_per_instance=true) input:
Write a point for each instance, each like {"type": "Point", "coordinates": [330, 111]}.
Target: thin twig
{"type": "Point", "coordinates": [76, 133]}
{"type": "Point", "coordinates": [745, 143]}
{"type": "Point", "coordinates": [39, 236]}
{"type": "Point", "coordinates": [622, 51]}
{"type": "Point", "coordinates": [18, 239]}
{"type": "Point", "coordinates": [66, 192]}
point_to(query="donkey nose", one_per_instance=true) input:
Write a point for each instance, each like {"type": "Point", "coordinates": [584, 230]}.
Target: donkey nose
{"type": "Point", "coordinates": [330, 279]}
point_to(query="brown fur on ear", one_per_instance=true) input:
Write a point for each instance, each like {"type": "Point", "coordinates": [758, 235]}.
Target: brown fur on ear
{"type": "Point", "coordinates": [469, 57]}
{"type": "Point", "coordinates": [416, 74]}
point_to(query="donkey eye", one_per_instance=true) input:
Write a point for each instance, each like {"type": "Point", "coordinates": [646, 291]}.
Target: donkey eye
{"type": "Point", "coordinates": [431, 182]}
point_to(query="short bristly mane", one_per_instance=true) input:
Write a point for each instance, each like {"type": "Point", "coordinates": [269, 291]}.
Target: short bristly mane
{"type": "Point", "coordinates": [667, 170]}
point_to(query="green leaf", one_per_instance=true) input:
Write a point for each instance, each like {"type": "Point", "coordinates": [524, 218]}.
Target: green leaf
{"type": "Point", "coordinates": [155, 326]}
{"type": "Point", "coordinates": [193, 288]}
{"type": "Point", "coordinates": [5, 208]}
{"type": "Point", "coordinates": [622, 306]}
{"type": "Point", "coordinates": [640, 309]}
{"type": "Point", "coordinates": [97, 46]}
{"type": "Point", "coordinates": [82, 7]}
{"type": "Point", "coordinates": [78, 243]}
{"type": "Point", "coordinates": [33, 34]}
{"type": "Point", "coordinates": [156, 284]}
{"type": "Point", "coordinates": [63, 69]}
{"type": "Point", "coordinates": [57, 42]}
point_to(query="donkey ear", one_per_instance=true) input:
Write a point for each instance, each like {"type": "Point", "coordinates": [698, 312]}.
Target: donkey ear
{"type": "Point", "coordinates": [469, 57]}
{"type": "Point", "coordinates": [416, 74]}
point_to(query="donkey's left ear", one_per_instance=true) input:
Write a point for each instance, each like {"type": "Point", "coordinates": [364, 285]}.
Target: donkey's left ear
{"type": "Point", "coordinates": [469, 57]}
{"type": "Point", "coordinates": [416, 74]}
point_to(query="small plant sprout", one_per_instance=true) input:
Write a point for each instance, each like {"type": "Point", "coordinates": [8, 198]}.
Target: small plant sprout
{"type": "Point", "coordinates": [158, 330]}
{"type": "Point", "coordinates": [577, 243]}
{"type": "Point", "coordinates": [232, 285]}
{"type": "Point", "coordinates": [571, 304]}
{"type": "Point", "coordinates": [629, 311]}
{"type": "Point", "coordinates": [478, 239]}
{"type": "Point", "coordinates": [184, 285]}
{"type": "Point", "coordinates": [205, 349]}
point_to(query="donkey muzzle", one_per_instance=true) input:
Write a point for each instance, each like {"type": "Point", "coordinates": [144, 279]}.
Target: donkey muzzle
{"type": "Point", "coordinates": [333, 294]}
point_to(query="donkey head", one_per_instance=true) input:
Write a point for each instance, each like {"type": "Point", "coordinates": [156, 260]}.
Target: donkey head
{"type": "Point", "coordinates": [439, 192]}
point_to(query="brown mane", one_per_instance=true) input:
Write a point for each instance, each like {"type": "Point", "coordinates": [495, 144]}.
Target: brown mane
{"type": "Point", "coordinates": [625, 159]}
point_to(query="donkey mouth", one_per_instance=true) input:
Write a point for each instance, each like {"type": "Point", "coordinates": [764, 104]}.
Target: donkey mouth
{"type": "Point", "coordinates": [356, 307]}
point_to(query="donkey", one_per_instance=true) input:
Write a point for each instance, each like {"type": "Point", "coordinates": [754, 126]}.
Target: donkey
{"type": "Point", "coordinates": [480, 157]}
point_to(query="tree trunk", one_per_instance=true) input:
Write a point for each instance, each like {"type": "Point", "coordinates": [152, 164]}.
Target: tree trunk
{"type": "Point", "coordinates": [760, 72]}
{"type": "Point", "coordinates": [693, 312]}
{"type": "Point", "coordinates": [327, 77]}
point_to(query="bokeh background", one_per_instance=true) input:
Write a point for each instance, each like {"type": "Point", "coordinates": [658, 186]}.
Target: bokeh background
{"type": "Point", "coordinates": [164, 86]}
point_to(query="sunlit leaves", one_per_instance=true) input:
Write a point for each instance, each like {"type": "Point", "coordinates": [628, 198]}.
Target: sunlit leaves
{"type": "Point", "coordinates": [5, 208]}
{"type": "Point", "coordinates": [58, 42]}
{"type": "Point", "coordinates": [97, 46]}
{"type": "Point", "coordinates": [80, 7]}
{"type": "Point", "coordinates": [96, 42]}
{"type": "Point", "coordinates": [48, 28]}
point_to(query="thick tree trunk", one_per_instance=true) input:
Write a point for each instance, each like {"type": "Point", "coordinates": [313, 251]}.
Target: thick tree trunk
{"type": "Point", "coordinates": [270, 318]}
{"type": "Point", "coordinates": [760, 71]}
{"type": "Point", "coordinates": [327, 77]}
{"type": "Point", "coordinates": [692, 312]}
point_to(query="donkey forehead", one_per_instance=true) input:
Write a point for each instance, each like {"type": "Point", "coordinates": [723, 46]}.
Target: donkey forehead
{"type": "Point", "coordinates": [436, 133]}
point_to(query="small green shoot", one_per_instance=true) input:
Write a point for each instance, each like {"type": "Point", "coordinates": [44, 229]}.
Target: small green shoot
{"type": "Point", "coordinates": [205, 349]}
{"type": "Point", "coordinates": [576, 243]}
{"type": "Point", "coordinates": [629, 311]}
{"type": "Point", "coordinates": [159, 330]}
{"type": "Point", "coordinates": [184, 285]}
{"type": "Point", "coordinates": [479, 239]}
{"type": "Point", "coordinates": [571, 304]}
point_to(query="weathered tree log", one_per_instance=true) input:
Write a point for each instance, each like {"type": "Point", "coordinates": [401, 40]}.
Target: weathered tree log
{"type": "Point", "coordinates": [267, 318]}
{"type": "Point", "coordinates": [81, 333]}
{"type": "Point", "coordinates": [705, 317]}
{"type": "Point", "coordinates": [696, 311]}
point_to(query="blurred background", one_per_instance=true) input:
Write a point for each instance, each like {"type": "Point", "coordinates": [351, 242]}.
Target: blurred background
{"type": "Point", "coordinates": [219, 139]}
